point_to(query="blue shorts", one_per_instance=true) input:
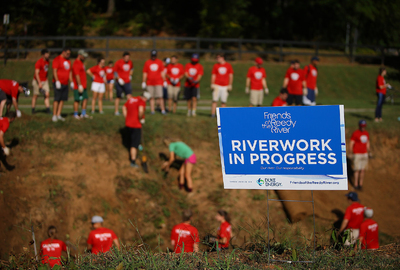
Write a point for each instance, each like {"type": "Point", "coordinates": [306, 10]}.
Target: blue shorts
{"type": "Point", "coordinates": [126, 88]}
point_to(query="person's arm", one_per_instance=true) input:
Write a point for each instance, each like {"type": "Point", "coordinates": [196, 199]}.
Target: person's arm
{"type": "Point", "coordinates": [199, 78]}
{"type": "Point", "coordinates": [163, 75]}
{"type": "Point", "coordinates": [247, 89]}
{"type": "Point", "coordinates": [144, 77]}
{"type": "Point", "coordinates": [2, 139]}
{"type": "Point", "coordinates": [15, 103]}
{"type": "Point", "coordinates": [89, 72]}
{"type": "Point", "coordinates": [78, 80]}
{"type": "Point", "coordinates": [212, 80]}
{"type": "Point", "coordinates": [196, 247]}
{"type": "Point", "coordinates": [70, 76]}
{"type": "Point", "coordinates": [124, 111]}
{"type": "Point", "coordinates": [173, 243]}
{"type": "Point", "coordinates": [351, 146]}
{"type": "Point", "coordinates": [116, 243]}
{"type": "Point", "coordinates": [168, 163]}
{"type": "Point", "coordinates": [285, 82]}
{"type": "Point", "coordinates": [38, 78]}
{"type": "Point", "coordinates": [264, 83]}
{"type": "Point", "coordinates": [230, 82]}
{"type": "Point", "coordinates": [368, 147]}
{"type": "Point", "coordinates": [344, 225]}
{"type": "Point", "coordinates": [55, 74]}
{"type": "Point", "coordinates": [141, 112]}
{"type": "Point", "coordinates": [89, 248]}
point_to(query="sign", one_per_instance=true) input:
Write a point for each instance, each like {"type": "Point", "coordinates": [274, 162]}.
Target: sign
{"type": "Point", "coordinates": [6, 19]}
{"type": "Point", "coordinates": [287, 148]}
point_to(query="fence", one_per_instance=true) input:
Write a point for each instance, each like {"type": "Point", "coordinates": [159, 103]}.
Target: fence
{"type": "Point", "coordinates": [15, 46]}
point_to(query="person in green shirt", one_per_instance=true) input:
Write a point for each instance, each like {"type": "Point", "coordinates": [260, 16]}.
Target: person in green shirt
{"type": "Point", "coordinates": [183, 151]}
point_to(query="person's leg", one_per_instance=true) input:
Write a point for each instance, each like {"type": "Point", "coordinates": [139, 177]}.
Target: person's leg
{"type": "Point", "coordinates": [116, 105]}
{"type": "Point", "coordinates": [152, 104]}
{"type": "Point", "coordinates": [213, 108]}
{"type": "Point", "coordinates": [55, 107]}
{"type": "Point", "coordinates": [188, 175]}
{"type": "Point", "coordinates": [76, 108]}
{"type": "Point", "coordinates": [94, 97]}
{"type": "Point", "coordinates": [60, 106]}
{"type": "Point", "coordinates": [101, 102]}
{"type": "Point", "coordinates": [2, 103]}
{"type": "Point", "coordinates": [111, 87]}
{"type": "Point", "coordinates": [182, 176]}
{"type": "Point", "coordinates": [170, 104]}
{"type": "Point", "coordinates": [47, 101]}
{"type": "Point", "coordinates": [34, 98]}
{"type": "Point", "coordinates": [84, 104]}
{"type": "Point", "coordinates": [361, 178]}
{"type": "Point", "coordinates": [162, 105]}
{"type": "Point", "coordinates": [356, 177]}
{"type": "Point", "coordinates": [133, 153]}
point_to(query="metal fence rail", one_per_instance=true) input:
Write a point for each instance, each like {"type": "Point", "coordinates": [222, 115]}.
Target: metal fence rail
{"type": "Point", "coordinates": [13, 46]}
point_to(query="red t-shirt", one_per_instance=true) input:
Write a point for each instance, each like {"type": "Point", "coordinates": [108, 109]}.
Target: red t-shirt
{"type": "Point", "coordinates": [175, 72]}
{"type": "Point", "coordinates": [256, 76]}
{"type": "Point", "coordinates": [185, 236]}
{"type": "Point", "coordinates": [360, 139]}
{"type": "Point", "coordinates": [379, 82]}
{"type": "Point", "coordinates": [193, 71]}
{"type": "Point", "coordinates": [278, 102]}
{"type": "Point", "coordinates": [63, 67]}
{"type": "Point", "coordinates": [4, 124]}
{"type": "Point", "coordinates": [154, 69]}
{"type": "Point", "coordinates": [370, 234]}
{"type": "Point", "coordinates": [222, 72]}
{"type": "Point", "coordinates": [109, 73]}
{"type": "Point", "coordinates": [50, 250]}
{"type": "Point", "coordinates": [98, 73]}
{"type": "Point", "coordinates": [101, 240]}
{"type": "Point", "coordinates": [43, 66]}
{"type": "Point", "coordinates": [123, 69]}
{"type": "Point", "coordinates": [355, 215]}
{"type": "Point", "coordinates": [310, 75]}
{"type": "Point", "coordinates": [132, 118]}
{"type": "Point", "coordinates": [78, 68]}
{"type": "Point", "coordinates": [296, 79]}
{"type": "Point", "coordinates": [224, 231]}
{"type": "Point", "coordinates": [10, 87]}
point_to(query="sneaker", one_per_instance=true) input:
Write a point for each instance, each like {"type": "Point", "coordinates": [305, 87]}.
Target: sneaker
{"type": "Point", "coordinates": [77, 117]}
{"type": "Point", "coordinates": [163, 112]}
{"type": "Point", "coordinates": [152, 112]}
{"type": "Point", "coordinates": [48, 111]}
{"type": "Point", "coordinates": [194, 113]}
{"type": "Point", "coordinates": [117, 114]}
{"type": "Point", "coordinates": [134, 165]}
{"type": "Point", "coordinates": [33, 110]}
{"type": "Point", "coordinates": [102, 112]}
{"type": "Point", "coordinates": [54, 118]}
{"type": "Point", "coordinates": [189, 113]}
{"type": "Point", "coordinates": [59, 117]}
{"type": "Point", "coordinates": [86, 116]}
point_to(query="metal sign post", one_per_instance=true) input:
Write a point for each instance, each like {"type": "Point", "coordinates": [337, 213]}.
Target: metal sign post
{"type": "Point", "coordinates": [6, 22]}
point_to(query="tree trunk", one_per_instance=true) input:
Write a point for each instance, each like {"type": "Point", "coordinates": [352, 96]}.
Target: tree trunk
{"type": "Point", "coordinates": [110, 7]}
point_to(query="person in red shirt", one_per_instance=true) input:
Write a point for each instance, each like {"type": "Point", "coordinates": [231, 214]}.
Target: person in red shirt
{"type": "Point", "coordinates": [9, 93]}
{"type": "Point", "coordinates": [310, 76]}
{"type": "Point", "coordinates": [281, 99]}
{"type": "Point", "coordinates": [4, 125]}
{"type": "Point", "coordinates": [133, 111]}
{"type": "Point", "coordinates": [79, 84]}
{"type": "Point", "coordinates": [295, 84]}
{"type": "Point", "coordinates": [359, 149]}
{"type": "Point", "coordinates": [110, 80]}
{"type": "Point", "coordinates": [62, 73]}
{"type": "Point", "coordinates": [256, 82]}
{"type": "Point", "coordinates": [52, 248]}
{"type": "Point", "coordinates": [352, 219]}
{"type": "Point", "coordinates": [174, 74]}
{"type": "Point", "coordinates": [40, 83]}
{"type": "Point", "coordinates": [101, 239]}
{"type": "Point", "coordinates": [194, 72]}
{"type": "Point", "coordinates": [153, 80]}
{"type": "Point", "coordinates": [184, 236]}
{"type": "Point", "coordinates": [369, 231]}
{"type": "Point", "coordinates": [224, 233]}
{"type": "Point", "coordinates": [123, 70]}
{"type": "Point", "coordinates": [98, 73]}
{"type": "Point", "coordinates": [221, 82]}
{"type": "Point", "coordinates": [381, 86]}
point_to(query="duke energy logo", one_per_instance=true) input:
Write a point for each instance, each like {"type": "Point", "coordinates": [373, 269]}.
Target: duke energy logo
{"type": "Point", "coordinates": [260, 182]}
{"type": "Point", "coordinates": [278, 122]}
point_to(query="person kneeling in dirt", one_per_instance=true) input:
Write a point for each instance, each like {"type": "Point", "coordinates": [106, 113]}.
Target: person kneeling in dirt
{"type": "Point", "coordinates": [183, 151]}
{"type": "Point", "coordinates": [4, 124]}
{"type": "Point", "coordinates": [184, 236]}
{"type": "Point", "coordinates": [352, 219]}
{"type": "Point", "coordinates": [101, 239]}
{"type": "Point", "coordinates": [52, 248]}
{"type": "Point", "coordinates": [133, 111]}
{"type": "Point", "coordinates": [369, 234]}
{"type": "Point", "coordinates": [224, 231]}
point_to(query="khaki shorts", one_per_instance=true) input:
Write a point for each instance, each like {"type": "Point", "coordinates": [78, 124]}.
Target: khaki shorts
{"type": "Point", "coordinates": [155, 91]}
{"type": "Point", "coordinates": [220, 93]}
{"type": "Point", "coordinates": [256, 97]}
{"type": "Point", "coordinates": [360, 161]}
{"type": "Point", "coordinates": [35, 86]}
{"type": "Point", "coordinates": [352, 237]}
{"type": "Point", "coordinates": [173, 92]}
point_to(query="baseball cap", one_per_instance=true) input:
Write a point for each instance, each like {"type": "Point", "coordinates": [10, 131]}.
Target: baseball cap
{"type": "Point", "coordinates": [167, 60]}
{"type": "Point", "coordinates": [97, 219]}
{"type": "Point", "coordinates": [83, 53]}
{"type": "Point", "coordinates": [352, 196]}
{"type": "Point", "coordinates": [195, 57]}
{"type": "Point", "coordinates": [153, 53]}
{"type": "Point", "coordinates": [259, 60]}
{"type": "Point", "coordinates": [315, 58]}
{"type": "Point", "coordinates": [368, 212]}
{"type": "Point", "coordinates": [362, 123]}
{"type": "Point", "coordinates": [146, 95]}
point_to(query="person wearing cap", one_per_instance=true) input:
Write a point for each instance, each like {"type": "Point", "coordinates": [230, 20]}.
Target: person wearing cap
{"type": "Point", "coordinates": [62, 73]}
{"type": "Point", "coordinates": [193, 72]}
{"type": "Point", "coordinates": [174, 74]}
{"type": "Point", "coordinates": [153, 80]}
{"type": "Point", "coordinates": [295, 84]}
{"type": "Point", "coordinates": [79, 84]}
{"type": "Point", "coordinates": [381, 87]}
{"type": "Point", "coordinates": [123, 69]}
{"type": "Point", "coordinates": [359, 149]}
{"type": "Point", "coordinates": [110, 80]}
{"type": "Point", "coordinates": [369, 231]}
{"type": "Point", "coordinates": [184, 236]}
{"type": "Point", "coordinates": [101, 239]}
{"type": "Point", "coordinates": [51, 249]}
{"type": "Point", "coordinates": [9, 93]}
{"type": "Point", "coordinates": [352, 219]}
{"type": "Point", "coordinates": [221, 82]}
{"type": "Point", "coordinates": [133, 111]}
{"type": "Point", "coordinates": [310, 76]}
{"type": "Point", "coordinates": [256, 83]}
{"type": "Point", "coordinates": [4, 125]}
{"type": "Point", "coordinates": [280, 100]}
{"type": "Point", "coordinates": [98, 73]}
{"type": "Point", "coordinates": [166, 62]}
{"type": "Point", "coordinates": [40, 83]}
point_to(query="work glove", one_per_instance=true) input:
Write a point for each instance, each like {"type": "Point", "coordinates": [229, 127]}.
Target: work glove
{"type": "Point", "coordinates": [165, 84]}
{"type": "Point", "coordinates": [19, 114]}
{"type": "Point", "coordinates": [142, 121]}
{"type": "Point", "coordinates": [58, 85]}
{"type": "Point", "coordinates": [71, 85]}
{"type": "Point", "coordinates": [121, 81]}
{"type": "Point", "coordinates": [247, 90]}
{"type": "Point", "coordinates": [144, 85]}
{"type": "Point", "coordinates": [305, 91]}
{"type": "Point", "coordinates": [316, 91]}
{"type": "Point", "coordinates": [229, 87]}
{"type": "Point", "coordinates": [212, 87]}
{"type": "Point", "coordinates": [80, 89]}
{"type": "Point", "coordinates": [266, 91]}
{"type": "Point", "coordinates": [6, 151]}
